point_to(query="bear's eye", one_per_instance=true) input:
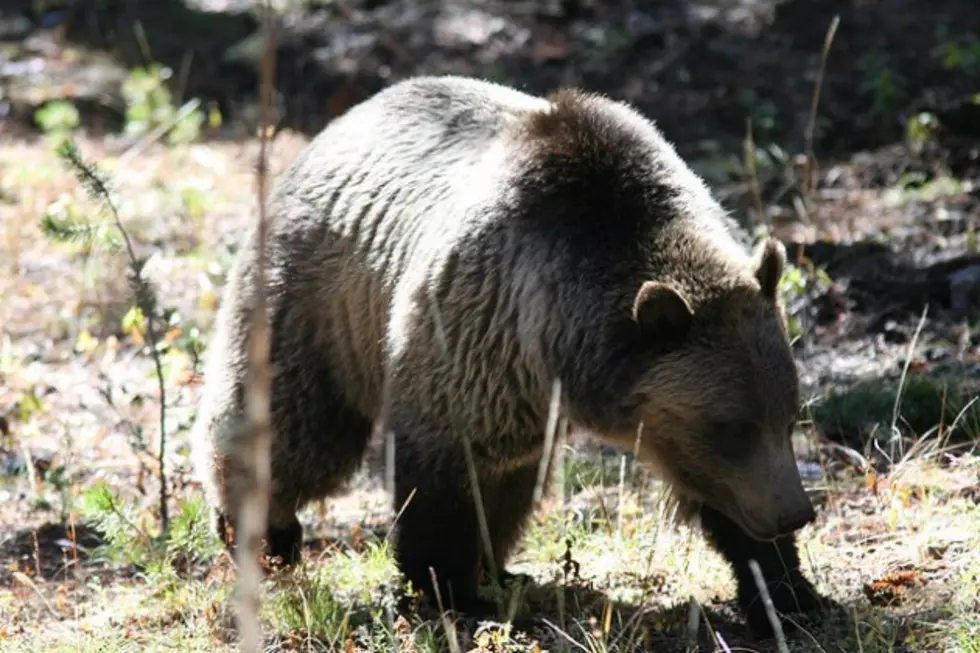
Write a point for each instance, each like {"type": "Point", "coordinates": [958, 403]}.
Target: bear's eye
{"type": "Point", "coordinates": [734, 439]}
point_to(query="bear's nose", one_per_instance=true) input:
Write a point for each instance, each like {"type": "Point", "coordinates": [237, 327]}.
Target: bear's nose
{"type": "Point", "coordinates": [796, 520]}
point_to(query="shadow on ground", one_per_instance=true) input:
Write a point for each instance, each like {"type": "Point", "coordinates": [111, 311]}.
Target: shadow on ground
{"type": "Point", "coordinates": [570, 608]}
{"type": "Point", "coordinates": [49, 552]}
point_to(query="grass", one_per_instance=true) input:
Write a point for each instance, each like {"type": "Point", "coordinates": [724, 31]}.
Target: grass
{"type": "Point", "coordinates": [857, 412]}
{"type": "Point", "coordinates": [610, 571]}
{"type": "Point", "coordinates": [918, 518]}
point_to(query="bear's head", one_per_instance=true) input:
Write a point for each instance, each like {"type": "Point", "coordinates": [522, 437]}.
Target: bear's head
{"type": "Point", "coordinates": [718, 404]}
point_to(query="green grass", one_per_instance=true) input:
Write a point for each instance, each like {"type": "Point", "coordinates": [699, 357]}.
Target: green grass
{"type": "Point", "coordinates": [866, 408]}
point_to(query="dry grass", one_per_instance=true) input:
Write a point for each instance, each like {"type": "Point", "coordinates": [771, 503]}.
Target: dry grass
{"type": "Point", "coordinates": [639, 580]}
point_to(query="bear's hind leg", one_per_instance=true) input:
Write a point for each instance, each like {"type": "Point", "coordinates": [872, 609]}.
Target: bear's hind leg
{"type": "Point", "coordinates": [284, 534]}
{"type": "Point", "coordinates": [318, 441]}
{"type": "Point", "coordinates": [779, 563]}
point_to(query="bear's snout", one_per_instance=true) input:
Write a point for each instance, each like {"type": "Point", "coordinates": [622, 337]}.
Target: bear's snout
{"type": "Point", "coordinates": [794, 521]}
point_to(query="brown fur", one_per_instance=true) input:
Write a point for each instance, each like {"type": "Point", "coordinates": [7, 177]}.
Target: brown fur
{"type": "Point", "coordinates": [453, 246]}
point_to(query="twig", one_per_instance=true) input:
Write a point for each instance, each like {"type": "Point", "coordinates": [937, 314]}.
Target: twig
{"type": "Point", "coordinates": [722, 643]}
{"type": "Point", "coordinates": [474, 477]}
{"type": "Point", "coordinates": [160, 130]}
{"type": "Point", "coordinates": [549, 440]}
{"type": "Point", "coordinates": [252, 512]}
{"type": "Point", "coordinates": [693, 619]}
{"type": "Point", "coordinates": [37, 554]}
{"type": "Point", "coordinates": [140, 33]}
{"type": "Point", "coordinates": [25, 580]}
{"type": "Point", "coordinates": [118, 512]}
{"type": "Point", "coordinates": [815, 100]}
{"type": "Point", "coordinates": [480, 511]}
{"type": "Point", "coordinates": [446, 624]}
{"type": "Point", "coordinates": [748, 147]}
{"type": "Point", "coordinates": [777, 626]}
{"type": "Point", "coordinates": [31, 470]}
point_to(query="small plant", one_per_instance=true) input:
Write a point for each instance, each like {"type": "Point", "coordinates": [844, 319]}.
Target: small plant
{"type": "Point", "coordinates": [611, 40]}
{"type": "Point", "coordinates": [919, 131]}
{"type": "Point", "coordinates": [64, 222]}
{"type": "Point", "coordinates": [57, 119]}
{"type": "Point", "coordinates": [863, 411]}
{"type": "Point", "coordinates": [762, 112]}
{"type": "Point", "coordinates": [344, 598]}
{"type": "Point", "coordinates": [129, 542]}
{"type": "Point", "coordinates": [126, 541]}
{"type": "Point", "coordinates": [886, 86]}
{"type": "Point", "coordinates": [96, 183]}
{"type": "Point", "coordinates": [796, 286]}
{"type": "Point", "coordinates": [962, 55]}
{"type": "Point", "coordinates": [149, 106]}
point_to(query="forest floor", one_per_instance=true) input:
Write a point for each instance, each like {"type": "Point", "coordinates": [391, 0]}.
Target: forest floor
{"type": "Point", "coordinates": [882, 295]}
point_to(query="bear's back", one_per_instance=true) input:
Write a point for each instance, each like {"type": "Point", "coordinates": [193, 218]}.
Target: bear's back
{"type": "Point", "coordinates": [529, 222]}
{"type": "Point", "coordinates": [377, 201]}
{"type": "Point", "coordinates": [410, 161]}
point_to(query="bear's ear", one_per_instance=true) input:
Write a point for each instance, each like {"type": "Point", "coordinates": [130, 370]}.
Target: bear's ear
{"type": "Point", "coordinates": [661, 311]}
{"type": "Point", "coordinates": [770, 260]}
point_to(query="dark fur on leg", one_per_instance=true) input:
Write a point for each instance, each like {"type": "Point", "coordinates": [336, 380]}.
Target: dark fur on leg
{"type": "Point", "coordinates": [779, 561]}
{"type": "Point", "coordinates": [509, 501]}
{"type": "Point", "coordinates": [438, 528]}
{"type": "Point", "coordinates": [283, 542]}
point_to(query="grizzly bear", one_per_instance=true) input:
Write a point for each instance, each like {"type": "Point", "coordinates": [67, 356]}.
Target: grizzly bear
{"type": "Point", "coordinates": [444, 253]}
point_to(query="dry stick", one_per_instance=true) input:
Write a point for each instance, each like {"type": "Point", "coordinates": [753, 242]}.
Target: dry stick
{"type": "Point", "coordinates": [450, 631]}
{"type": "Point", "coordinates": [37, 554]}
{"type": "Point", "coordinates": [622, 491]}
{"type": "Point", "coordinates": [722, 643]}
{"type": "Point", "coordinates": [252, 511]}
{"type": "Point", "coordinates": [549, 439]}
{"type": "Point", "coordinates": [812, 120]}
{"type": "Point", "coordinates": [26, 581]}
{"type": "Point", "coordinates": [748, 151]}
{"type": "Point", "coordinates": [185, 72]}
{"type": "Point", "coordinates": [636, 456]}
{"type": "Point", "coordinates": [74, 541]}
{"type": "Point", "coordinates": [693, 619]}
{"type": "Point", "coordinates": [777, 626]}
{"type": "Point", "coordinates": [140, 33]}
{"type": "Point", "coordinates": [159, 131]}
{"type": "Point", "coordinates": [31, 470]}
{"type": "Point", "coordinates": [478, 500]}
{"type": "Point", "coordinates": [558, 462]}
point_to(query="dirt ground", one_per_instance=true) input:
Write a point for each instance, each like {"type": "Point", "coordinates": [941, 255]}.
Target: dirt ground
{"type": "Point", "coordinates": [889, 215]}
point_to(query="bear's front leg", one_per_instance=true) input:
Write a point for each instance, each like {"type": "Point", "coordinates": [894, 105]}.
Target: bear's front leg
{"type": "Point", "coordinates": [438, 525]}
{"type": "Point", "coordinates": [509, 499]}
{"type": "Point", "coordinates": [779, 563]}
